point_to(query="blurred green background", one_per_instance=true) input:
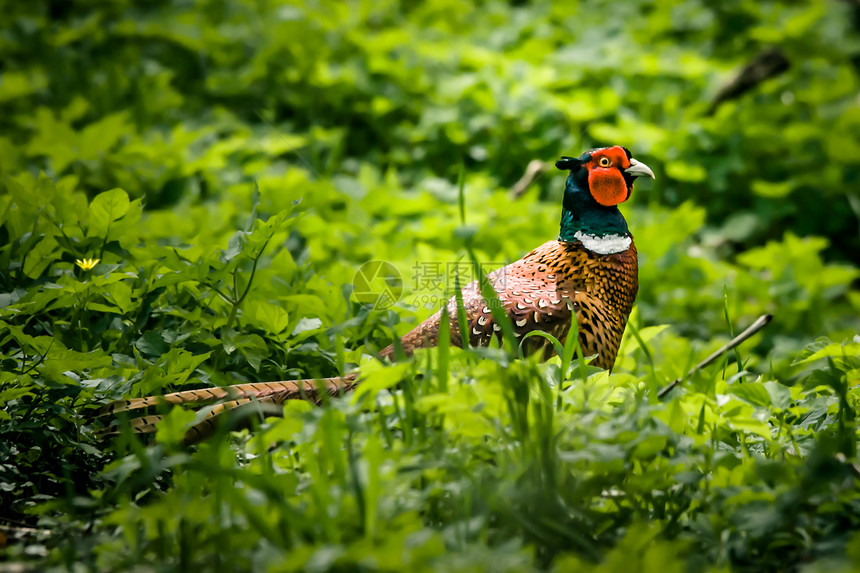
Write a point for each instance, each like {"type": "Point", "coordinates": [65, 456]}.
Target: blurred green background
{"type": "Point", "coordinates": [356, 119]}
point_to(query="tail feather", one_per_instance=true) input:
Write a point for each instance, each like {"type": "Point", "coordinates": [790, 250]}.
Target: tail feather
{"type": "Point", "coordinates": [203, 428]}
{"type": "Point", "coordinates": [139, 425]}
{"type": "Point", "coordinates": [145, 424]}
{"type": "Point", "coordinates": [236, 410]}
{"type": "Point", "coordinates": [241, 400]}
{"type": "Point", "coordinates": [292, 389]}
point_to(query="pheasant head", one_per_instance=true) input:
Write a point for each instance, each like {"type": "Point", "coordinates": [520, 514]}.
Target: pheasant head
{"type": "Point", "coordinates": [599, 180]}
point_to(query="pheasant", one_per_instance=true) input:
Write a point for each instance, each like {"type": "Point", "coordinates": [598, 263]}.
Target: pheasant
{"type": "Point", "coordinates": [590, 271]}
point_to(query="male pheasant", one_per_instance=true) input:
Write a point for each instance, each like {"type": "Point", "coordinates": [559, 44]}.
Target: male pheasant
{"type": "Point", "coordinates": [591, 269]}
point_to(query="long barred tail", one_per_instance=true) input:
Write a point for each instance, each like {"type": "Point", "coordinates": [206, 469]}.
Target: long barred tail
{"type": "Point", "coordinates": [239, 399]}
{"type": "Point", "coordinates": [242, 400]}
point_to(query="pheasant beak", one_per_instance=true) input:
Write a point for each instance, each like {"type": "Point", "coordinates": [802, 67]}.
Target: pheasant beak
{"type": "Point", "coordinates": [638, 169]}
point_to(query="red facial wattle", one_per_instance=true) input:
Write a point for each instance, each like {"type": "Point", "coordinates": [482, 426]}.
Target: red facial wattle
{"type": "Point", "coordinates": [605, 179]}
{"type": "Point", "coordinates": [607, 186]}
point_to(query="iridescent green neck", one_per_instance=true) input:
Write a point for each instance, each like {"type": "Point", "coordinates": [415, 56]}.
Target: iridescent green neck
{"type": "Point", "coordinates": [582, 214]}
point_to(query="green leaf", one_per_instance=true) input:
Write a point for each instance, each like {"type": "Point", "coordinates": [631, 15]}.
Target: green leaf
{"type": "Point", "coordinates": [60, 360]}
{"type": "Point", "coordinates": [832, 350]}
{"type": "Point", "coordinates": [780, 396]}
{"type": "Point", "coordinates": [754, 393]}
{"type": "Point", "coordinates": [772, 189]}
{"type": "Point", "coordinates": [151, 343]}
{"type": "Point", "coordinates": [121, 295]}
{"type": "Point", "coordinates": [105, 209]}
{"type": "Point", "coordinates": [171, 428]}
{"type": "Point", "coordinates": [271, 317]}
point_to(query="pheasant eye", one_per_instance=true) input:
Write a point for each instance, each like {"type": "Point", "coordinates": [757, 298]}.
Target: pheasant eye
{"type": "Point", "coordinates": [603, 162]}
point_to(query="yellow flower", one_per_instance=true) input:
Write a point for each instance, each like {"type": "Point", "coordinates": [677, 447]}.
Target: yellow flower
{"type": "Point", "coordinates": [87, 264]}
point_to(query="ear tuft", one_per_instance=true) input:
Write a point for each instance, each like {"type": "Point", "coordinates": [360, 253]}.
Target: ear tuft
{"type": "Point", "coordinates": [568, 163]}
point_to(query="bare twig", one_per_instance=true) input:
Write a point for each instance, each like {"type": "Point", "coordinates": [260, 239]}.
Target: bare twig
{"type": "Point", "coordinates": [534, 169]}
{"type": "Point", "coordinates": [765, 65]}
{"type": "Point", "coordinates": [760, 323]}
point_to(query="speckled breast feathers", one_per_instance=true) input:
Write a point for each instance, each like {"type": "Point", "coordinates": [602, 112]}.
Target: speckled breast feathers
{"type": "Point", "coordinates": [541, 291]}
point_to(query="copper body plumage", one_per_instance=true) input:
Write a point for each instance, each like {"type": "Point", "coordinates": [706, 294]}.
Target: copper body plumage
{"type": "Point", "coordinates": [538, 293]}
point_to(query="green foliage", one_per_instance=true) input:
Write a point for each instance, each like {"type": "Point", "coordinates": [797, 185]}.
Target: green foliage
{"type": "Point", "coordinates": [231, 164]}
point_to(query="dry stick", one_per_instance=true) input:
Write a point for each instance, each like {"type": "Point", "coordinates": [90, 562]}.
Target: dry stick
{"type": "Point", "coordinates": [533, 170]}
{"type": "Point", "coordinates": [752, 329]}
{"type": "Point", "coordinates": [765, 65]}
